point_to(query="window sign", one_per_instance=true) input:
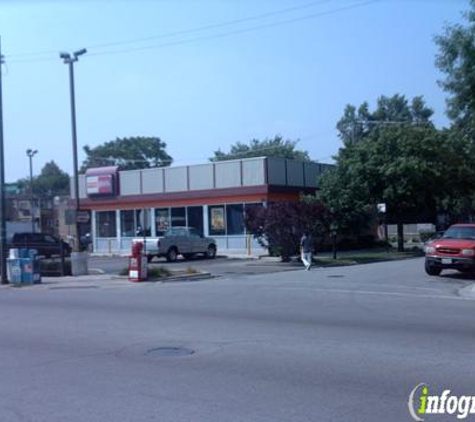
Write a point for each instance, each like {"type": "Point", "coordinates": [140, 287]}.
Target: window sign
{"type": "Point", "coordinates": [217, 222]}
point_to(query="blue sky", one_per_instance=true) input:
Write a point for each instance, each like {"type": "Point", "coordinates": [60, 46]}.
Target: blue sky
{"type": "Point", "coordinates": [258, 69]}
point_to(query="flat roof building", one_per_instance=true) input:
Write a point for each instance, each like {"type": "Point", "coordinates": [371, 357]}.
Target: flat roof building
{"type": "Point", "coordinates": [211, 197]}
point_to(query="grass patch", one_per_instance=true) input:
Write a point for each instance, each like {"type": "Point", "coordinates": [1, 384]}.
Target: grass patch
{"type": "Point", "coordinates": [153, 273]}
{"type": "Point", "coordinates": [158, 272]}
{"type": "Point", "coordinates": [191, 270]}
{"type": "Point", "coordinates": [366, 257]}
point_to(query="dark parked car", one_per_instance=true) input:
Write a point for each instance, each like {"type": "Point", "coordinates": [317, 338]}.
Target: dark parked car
{"type": "Point", "coordinates": [47, 245]}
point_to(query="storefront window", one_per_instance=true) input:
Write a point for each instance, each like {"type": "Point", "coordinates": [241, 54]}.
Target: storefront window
{"type": "Point", "coordinates": [235, 219]}
{"type": "Point", "coordinates": [217, 223]}
{"type": "Point", "coordinates": [162, 220]}
{"type": "Point", "coordinates": [195, 218]}
{"type": "Point", "coordinates": [106, 224]}
{"type": "Point", "coordinates": [178, 216]}
{"type": "Point", "coordinates": [253, 208]}
{"type": "Point", "coordinates": [143, 222]}
{"type": "Point", "coordinates": [127, 223]}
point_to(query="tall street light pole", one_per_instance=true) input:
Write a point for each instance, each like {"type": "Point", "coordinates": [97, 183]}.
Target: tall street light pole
{"type": "Point", "coordinates": [70, 59]}
{"type": "Point", "coordinates": [3, 230]}
{"type": "Point", "coordinates": [31, 153]}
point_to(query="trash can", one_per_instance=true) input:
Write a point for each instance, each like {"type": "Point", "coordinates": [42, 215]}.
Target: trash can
{"type": "Point", "coordinates": [79, 263]}
{"type": "Point", "coordinates": [30, 266]}
{"type": "Point", "coordinates": [14, 270]}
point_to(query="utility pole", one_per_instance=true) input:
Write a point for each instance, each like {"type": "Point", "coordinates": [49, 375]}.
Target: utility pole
{"type": "Point", "coordinates": [3, 230]}
{"type": "Point", "coordinates": [69, 59]}
{"type": "Point", "coordinates": [31, 153]}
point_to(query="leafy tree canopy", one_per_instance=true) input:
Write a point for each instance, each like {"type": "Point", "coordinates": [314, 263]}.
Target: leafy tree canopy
{"type": "Point", "coordinates": [456, 59]}
{"type": "Point", "coordinates": [129, 153]}
{"type": "Point", "coordinates": [358, 123]}
{"type": "Point", "coordinates": [277, 147]}
{"type": "Point", "coordinates": [412, 167]}
{"type": "Point", "coordinates": [51, 181]}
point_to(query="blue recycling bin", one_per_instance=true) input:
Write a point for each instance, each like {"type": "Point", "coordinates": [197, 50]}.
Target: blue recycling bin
{"type": "Point", "coordinates": [30, 267]}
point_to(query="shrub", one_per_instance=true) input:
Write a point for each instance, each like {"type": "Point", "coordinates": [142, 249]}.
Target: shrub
{"type": "Point", "coordinates": [158, 272]}
{"type": "Point", "coordinates": [279, 226]}
{"type": "Point", "coordinates": [152, 272]}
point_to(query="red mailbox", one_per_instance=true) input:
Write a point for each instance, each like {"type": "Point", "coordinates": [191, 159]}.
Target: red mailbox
{"type": "Point", "coordinates": [137, 263]}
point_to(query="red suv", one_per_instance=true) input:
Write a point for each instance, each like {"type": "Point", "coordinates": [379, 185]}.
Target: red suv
{"type": "Point", "coordinates": [454, 250]}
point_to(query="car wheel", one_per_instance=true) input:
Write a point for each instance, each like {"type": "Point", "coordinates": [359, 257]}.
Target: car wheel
{"type": "Point", "coordinates": [431, 269]}
{"type": "Point", "coordinates": [149, 258]}
{"type": "Point", "coordinates": [211, 252]}
{"type": "Point", "coordinates": [172, 255]}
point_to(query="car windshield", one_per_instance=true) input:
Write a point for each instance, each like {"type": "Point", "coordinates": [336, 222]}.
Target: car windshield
{"type": "Point", "coordinates": [460, 233]}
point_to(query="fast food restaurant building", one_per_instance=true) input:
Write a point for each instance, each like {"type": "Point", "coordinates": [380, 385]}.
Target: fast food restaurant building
{"type": "Point", "coordinates": [211, 197]}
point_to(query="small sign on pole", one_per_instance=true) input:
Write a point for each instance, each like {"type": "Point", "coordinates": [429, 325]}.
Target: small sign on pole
{"type": "Point", "coordinates": [83, 216]}
{"type": "Point", "coordinates": [382, 208]}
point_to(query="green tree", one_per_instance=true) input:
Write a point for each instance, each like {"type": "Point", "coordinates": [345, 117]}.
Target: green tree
{"type": "Point", "coordinates": [399, 158]}
{"type": "Point", "coordinates": [358, 123]}
{"type": "Point", "coordinates": [456, 59]}
{"type": "Point", "coordinates": [129, 153]}
{"type": "Point", "coordinates": [51, 181]}
{"type": "Point", "coordinates": [277, 147]}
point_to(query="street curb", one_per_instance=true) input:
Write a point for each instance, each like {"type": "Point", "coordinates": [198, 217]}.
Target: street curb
{"type": "Point", "coordinates": [95, 271]}
{"type": "Point", "coordinates": [181, 277]}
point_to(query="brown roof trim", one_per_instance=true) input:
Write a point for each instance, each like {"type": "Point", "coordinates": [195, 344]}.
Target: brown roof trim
{"type": "Point", "coordinates": [176, 196]}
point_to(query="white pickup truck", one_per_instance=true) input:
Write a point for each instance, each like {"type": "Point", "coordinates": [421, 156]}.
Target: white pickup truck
{"type": "Point", "coordinates": [185, 241]}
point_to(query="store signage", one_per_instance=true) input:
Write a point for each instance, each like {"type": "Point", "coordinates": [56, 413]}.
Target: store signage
{"type": "Point", "coordinates": [83, 216]}
{"type": "Point", "coordinates": [101, 185]}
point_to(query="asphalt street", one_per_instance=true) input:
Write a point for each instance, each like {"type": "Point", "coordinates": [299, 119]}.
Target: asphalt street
{"type": "Point", "coordinates": [333, 344]}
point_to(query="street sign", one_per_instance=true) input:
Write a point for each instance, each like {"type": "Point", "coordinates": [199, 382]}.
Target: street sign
{"type": "Point", "coordinates": [382, 208]}
{"type": "Point", "coordinates": [83, 217]}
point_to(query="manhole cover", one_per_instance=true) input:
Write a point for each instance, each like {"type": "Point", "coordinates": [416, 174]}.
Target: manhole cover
{"type": "Point", "coordinates": [335, 276]}
{"type": "Point", "coordinates": [170, 351]}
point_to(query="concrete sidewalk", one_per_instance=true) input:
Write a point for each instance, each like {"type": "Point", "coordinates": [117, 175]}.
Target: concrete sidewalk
{"type": "Point", "coordinates": [91, 281]}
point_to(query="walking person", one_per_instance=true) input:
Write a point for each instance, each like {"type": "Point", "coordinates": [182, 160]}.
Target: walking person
{"type": "Point", "coordinates": [306, 249]}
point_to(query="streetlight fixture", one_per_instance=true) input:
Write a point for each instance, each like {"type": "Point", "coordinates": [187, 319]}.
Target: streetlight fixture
{"type": "Point", "coordinates": [31, 153]}
{"type": "Point", "coordinates": [69, 59]}
{"type": "Point", "coordinates": [3, 230]}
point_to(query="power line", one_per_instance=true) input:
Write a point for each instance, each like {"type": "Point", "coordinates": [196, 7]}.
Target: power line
{"type": "Point", "coordinates": [220, 35]}
{"type": "Point", "coordinates": [237, 31]}
{"type": "Point", "coordinates": [189, 31]}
